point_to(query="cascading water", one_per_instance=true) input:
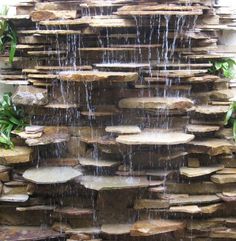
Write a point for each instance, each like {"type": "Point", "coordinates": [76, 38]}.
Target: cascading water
{"type": "Point", "coordinates": [120, 82]}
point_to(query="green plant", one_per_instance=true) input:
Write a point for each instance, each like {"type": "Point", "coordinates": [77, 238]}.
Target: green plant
{"type": "Point", "coordinates": [230, 118]}
{"type": "Point", "coordinates": [223, 67]}
{"type": "Point", "coordinates": [8, 35]}
{"type": "Point", "coordinates": [11, 118]}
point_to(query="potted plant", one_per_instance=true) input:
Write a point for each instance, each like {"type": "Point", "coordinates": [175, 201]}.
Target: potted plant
{"type": "Point", "coordinates": [11, 118]}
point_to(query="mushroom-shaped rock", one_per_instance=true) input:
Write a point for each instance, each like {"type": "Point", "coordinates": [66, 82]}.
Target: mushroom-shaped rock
{"type": "Point", "coordinates": [113, 182]}
{"type": "Point", "coordinates": [51, 175]}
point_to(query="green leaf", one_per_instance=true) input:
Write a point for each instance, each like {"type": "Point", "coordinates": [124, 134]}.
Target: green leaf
{"type": "Point", "coordinates": [218, 65]}
{"type": "Point", "coordinates": [228, 115]}
{"type": "Point", "coordinates": [12, 51]}
{"type": "Point", "coordinates": [234, 130]}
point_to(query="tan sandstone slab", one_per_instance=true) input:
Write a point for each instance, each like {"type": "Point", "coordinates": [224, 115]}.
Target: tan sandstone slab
{"type": "Point", "coordinates": [51, 175]}
{"type": "Point", "coordinates": [199, 171]}
{"type": "Point", "coordinates": [227, 171]}
{"type": "Point", "coordinates": [224, 234]}
{"type": "Point", "coordinates": [116, 229]}
{"type": "Point", "coordinates": [194, 199]}
{"type": "Point", "coordinates": [19, 154]}
{"type": "Point", "coordinates": [51, 135]}
{"type": "Point", "coordinates": [72, 211]}
{"type": "Point", "coordinates": [157, 103]}
{"type": "Point", "coordinates": [151, 204]}
{"type": "Point", "coordinates": [10, 233]}
{"type": "Point", "coordinates": [192, 209]}
{"type": "Point", "coordinates": [211, 110]}
{"type": "Point", "coordinates": [91, 76]}
{"type": "Point", "coordinates": [152, 227]}
{"type": "Point", "coordinates": [99, 183]}
{"type": "Point", "coordinates": [211, 147]}
{"type": "Point", "coordinates": [148, 138]}
{"type": "Point", "coordinates": [123, 129]}
{"type": "Point", "coordinates": [97, 163]}
{"type": "Point", "coordinates": [201, 129]}
{"type": "Point", "coordinates": [222, 179]}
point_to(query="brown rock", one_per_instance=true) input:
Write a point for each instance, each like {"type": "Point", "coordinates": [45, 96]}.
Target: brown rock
{"type": "Point", "coordinates": [29, 95]}
{"type": "Point", "coordinates": [91, 76]}
{"type": "Point", "coordinates": [112, 182]}
{"type": "Point", "coordinates": [151, 204]}
{"type": "Point", "coordinates": [116, 229]}
{"type": "Point", "coordinates": [50, 135]}
{"type": "Point", "coordinates": [222, 179]}
{"type": "Point", "coordinates": [148, 138]}
{"type": "Point", "coordinates": [152, 227]}
{"type": "Point", "coordinates": [27, 233]}
{"type": "Point", "coordinates": [156, 103]}
{"type": "Point", "coordinates": [211, 110]}
{"type": "Point", "coordinates": [200, 171]}
{"type": "Point", "coordinates": [193, 209]}
{"type": "Point", "coordinates": [42, 15]}
{"type": "Point", "coordinates": [19, 154]}
{"type": "Point", "coordinates": [211, 147]}
{"type": "Point", "coordinates": [51, 175]}
{"type": "Point", "coordinates": [201, 129]}
{"type": "Point", "coordinates": [123, 129]}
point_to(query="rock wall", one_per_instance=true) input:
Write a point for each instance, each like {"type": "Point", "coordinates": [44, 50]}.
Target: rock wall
{"type": "Point", "coordinates": [130, 142]}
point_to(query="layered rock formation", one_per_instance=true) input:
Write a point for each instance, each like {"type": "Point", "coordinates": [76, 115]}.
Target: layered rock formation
{"type": "Point", "coordinates": [133, 145]}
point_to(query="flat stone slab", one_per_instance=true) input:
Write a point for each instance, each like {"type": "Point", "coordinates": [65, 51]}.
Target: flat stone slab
{"type": "Point", "coordinates": [8, 233]}
{"type": "Point", "coordinates": [36, 208]}
{"type": "Point", "coordinates": [157, 103]}
{"type": "Point", "coordinates": [91, 76]}
{"type": "Point", "coordinates": [51, 135]}
{"type": "Point", "coordinates": [116, 229]}
{"type": "Point", "coordinates": [123, 129]}
{"type": "Point", "coordinates": [88, 230]}
{"type": "Point", "coordinates": [151, 204]}
{"type": "Point", "coordinates": [211, 147]}
{"type": "Point", "coordinates": [34, 129]}
{"type": "Point", "coordinates": [192, 209]}
{"type": "Point", "coordinates": [97, 163]}
{"type": "Point", "coordinates": [70, 211]}
{"type": "Point", "coordinates": [19, 154]}
{"type": "Point", "coordinates": [194, 199]}
{"type": "Point", "coordinates": [100, 183]}
{"type": "Point", "coordinates": [226, 233]}
{"type": "Point", "coordinates": [51, 175]}
{"type": "Point", "coordinates": [149, 138]}
{"type": "Point", "coordinates": [201, 129]}
{"type": "Point", "coordinates": [152, 227]}
{"type": "Point", "coordinates": [227, 171]}
{"type": "Point", "coordinates": [227, 197]}
{"type": "Point", "coordinates": [222, 179]}
{"type": "Point", "coordinates": [199, 171]}
{"type": "Point", "coordinates": [14, 198]}
{"type": "Point", "coordinates": [211, 110]}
